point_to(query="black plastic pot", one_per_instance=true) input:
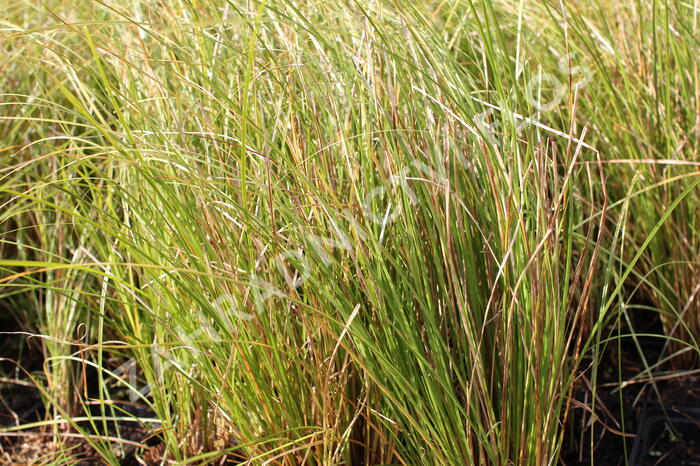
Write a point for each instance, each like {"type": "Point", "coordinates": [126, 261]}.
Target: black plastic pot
{"type": "Point", "coordinates": [663, 433]}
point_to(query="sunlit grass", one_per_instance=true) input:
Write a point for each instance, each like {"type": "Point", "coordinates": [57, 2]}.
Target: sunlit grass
{"type": "Point", "coordinates": [362, 233]}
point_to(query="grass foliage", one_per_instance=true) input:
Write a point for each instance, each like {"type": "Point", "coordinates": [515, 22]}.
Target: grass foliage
{"type": "Point", "coordinates": [358, 232]}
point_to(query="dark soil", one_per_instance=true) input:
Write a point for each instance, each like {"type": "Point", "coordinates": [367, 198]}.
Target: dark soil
{"type": "Point", "coordinates": [643, 423]}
